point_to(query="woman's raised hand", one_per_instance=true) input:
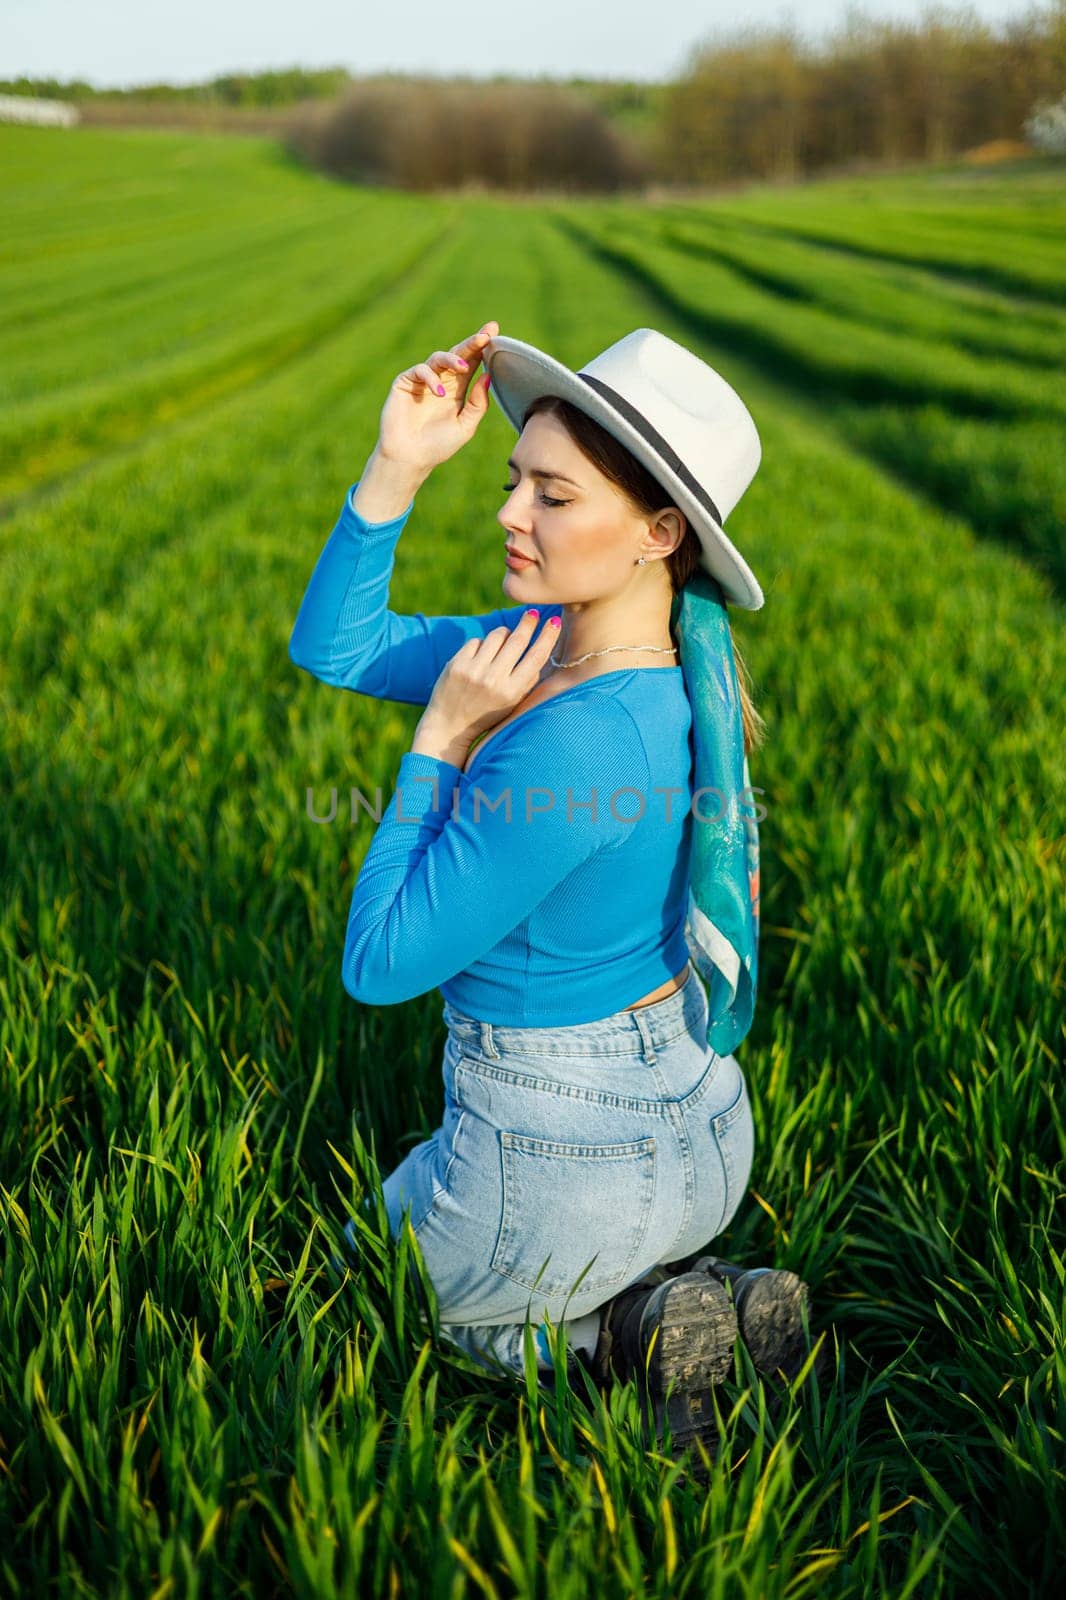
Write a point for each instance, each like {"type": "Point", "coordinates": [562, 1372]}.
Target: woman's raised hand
{"type": "Point", "coordinates": [434, 407]}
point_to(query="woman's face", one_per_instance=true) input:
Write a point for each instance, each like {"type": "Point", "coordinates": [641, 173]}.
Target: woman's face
{"type": "Point", "coordinates": [577, 528]}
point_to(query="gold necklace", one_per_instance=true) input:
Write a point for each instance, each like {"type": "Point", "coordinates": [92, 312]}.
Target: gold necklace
{"type": "Point", "coordinates": [658, 650]}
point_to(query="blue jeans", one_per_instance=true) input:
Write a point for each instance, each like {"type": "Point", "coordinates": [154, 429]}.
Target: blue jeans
{"type": "Point", "coordinates": [602, 1148]}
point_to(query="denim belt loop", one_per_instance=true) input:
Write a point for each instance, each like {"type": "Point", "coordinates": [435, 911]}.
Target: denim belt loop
{"type": "Point", "coordinates": [646, 1037]}
{"type": "Point", "coordinates": [488, 1043]}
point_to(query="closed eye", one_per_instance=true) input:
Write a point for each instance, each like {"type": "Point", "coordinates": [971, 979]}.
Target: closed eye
{"type": "Point", "coordinates": [509, 488]}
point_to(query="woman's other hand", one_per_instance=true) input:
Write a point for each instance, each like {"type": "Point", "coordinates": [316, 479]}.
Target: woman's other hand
{"type": "Point", "coordinates": [484, 680]}
{"type": "Point", "coordinates": [420, 425]}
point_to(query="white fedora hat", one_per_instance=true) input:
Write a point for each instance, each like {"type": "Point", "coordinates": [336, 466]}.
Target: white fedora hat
{"type": "Point", "coordinates": [677, 415]}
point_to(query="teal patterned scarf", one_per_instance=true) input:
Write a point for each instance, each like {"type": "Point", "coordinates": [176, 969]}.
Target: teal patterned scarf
{"type": "Point", "coordinates": [722, 923]}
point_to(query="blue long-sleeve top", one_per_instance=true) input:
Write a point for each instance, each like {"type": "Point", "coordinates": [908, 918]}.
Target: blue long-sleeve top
{"type": "Point", "coordinates": [565, 905]}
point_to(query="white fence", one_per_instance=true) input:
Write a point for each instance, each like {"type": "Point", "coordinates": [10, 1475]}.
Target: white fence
{"type": "Point", "coordinates": [23, 108]}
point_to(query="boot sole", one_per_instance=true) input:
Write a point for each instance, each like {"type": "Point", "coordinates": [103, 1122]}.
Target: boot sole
{"type": "Point", "coordinates": [770, 1318]}
{"type": "Point", "coordinates": [697, 1328]}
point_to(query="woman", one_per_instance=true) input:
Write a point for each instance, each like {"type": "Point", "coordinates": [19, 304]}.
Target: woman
{"type": "Point", "coordinates": [545, 865]}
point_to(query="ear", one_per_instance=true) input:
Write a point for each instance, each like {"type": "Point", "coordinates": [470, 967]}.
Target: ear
{"type": "Point", "coordinates": [669, 529]}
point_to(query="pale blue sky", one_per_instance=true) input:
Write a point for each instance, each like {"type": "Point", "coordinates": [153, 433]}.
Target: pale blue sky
{"type": "Point", "coordinates": [120, 42]}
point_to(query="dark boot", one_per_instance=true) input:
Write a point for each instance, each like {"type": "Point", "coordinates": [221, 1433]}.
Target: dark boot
{"type": "Point", "coordinates": [772, 1308]}
{"type": "Point", "coordinates": [609, 1363]}
{"type": "Point", "coordinates": [694, 1325]}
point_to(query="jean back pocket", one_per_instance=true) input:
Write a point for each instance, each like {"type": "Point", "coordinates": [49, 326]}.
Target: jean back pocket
{"type": "Point", "coordinates": [571, 1206]}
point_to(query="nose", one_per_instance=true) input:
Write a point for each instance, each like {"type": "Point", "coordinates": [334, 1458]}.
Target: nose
{"type": "Point", "coordinates": [510, 515]}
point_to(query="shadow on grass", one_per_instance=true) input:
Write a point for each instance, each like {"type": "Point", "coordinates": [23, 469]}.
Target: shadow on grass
{"type": "Point", "coordinates": [952, 473]}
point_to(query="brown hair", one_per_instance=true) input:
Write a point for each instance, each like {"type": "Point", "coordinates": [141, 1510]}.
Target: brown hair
{"type": "Point", "coordinates": [647, 495]}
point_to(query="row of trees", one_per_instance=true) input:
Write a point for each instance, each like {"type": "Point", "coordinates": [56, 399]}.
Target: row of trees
{"type": "Point", "coordinates": [433, 135]}
{"type": "Point", "coordinates": [284, 87]}
{"type": "Point", "coordinates": [754, 103]}
{"type": "Point", "coordinates": [761, 103]}
{"type": "Point", "coordinates": [764, 104]}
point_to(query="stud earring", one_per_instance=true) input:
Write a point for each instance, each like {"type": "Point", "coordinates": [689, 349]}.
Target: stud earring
{"type": "Point", "coordinates": [640, 562]}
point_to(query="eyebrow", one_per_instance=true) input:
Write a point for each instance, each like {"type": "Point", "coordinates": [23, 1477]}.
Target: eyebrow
{"type": "Point", "coordinates": [534, 473]}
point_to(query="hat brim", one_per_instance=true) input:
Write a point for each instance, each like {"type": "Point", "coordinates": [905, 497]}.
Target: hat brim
{"type": "Point", "coordinates": [521, 373]}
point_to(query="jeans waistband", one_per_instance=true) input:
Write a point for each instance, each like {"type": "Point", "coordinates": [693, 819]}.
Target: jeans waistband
{"type": "Point", "coordinates": [623, 1033]}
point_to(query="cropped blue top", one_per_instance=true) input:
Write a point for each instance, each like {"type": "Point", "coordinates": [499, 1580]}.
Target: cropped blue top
{"type": "Point", "coordinates": [548, 884]}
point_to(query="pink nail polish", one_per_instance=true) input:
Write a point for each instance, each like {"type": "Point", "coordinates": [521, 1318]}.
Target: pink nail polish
{"type": "Point", "coordinates": [533, 612]}
{"type": "Point", "coordinates": [440, 388]}
{"type": "Point", "coordinates": [555, 622]}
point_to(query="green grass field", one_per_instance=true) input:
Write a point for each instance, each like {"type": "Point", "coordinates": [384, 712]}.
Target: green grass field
{"type": "Point", "coordinates": [197, 339]}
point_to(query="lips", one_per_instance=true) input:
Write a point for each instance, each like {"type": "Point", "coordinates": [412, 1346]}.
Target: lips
{"type": "Point", "coordinates": [516, 555]}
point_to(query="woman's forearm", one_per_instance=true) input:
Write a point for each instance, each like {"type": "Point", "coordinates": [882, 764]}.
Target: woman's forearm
{"type": "Point", "coordinates": [386, 488]}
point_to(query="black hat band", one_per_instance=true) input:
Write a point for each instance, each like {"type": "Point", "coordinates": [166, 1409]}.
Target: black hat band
{"type": "Point", "coordinates": [655, 439]}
